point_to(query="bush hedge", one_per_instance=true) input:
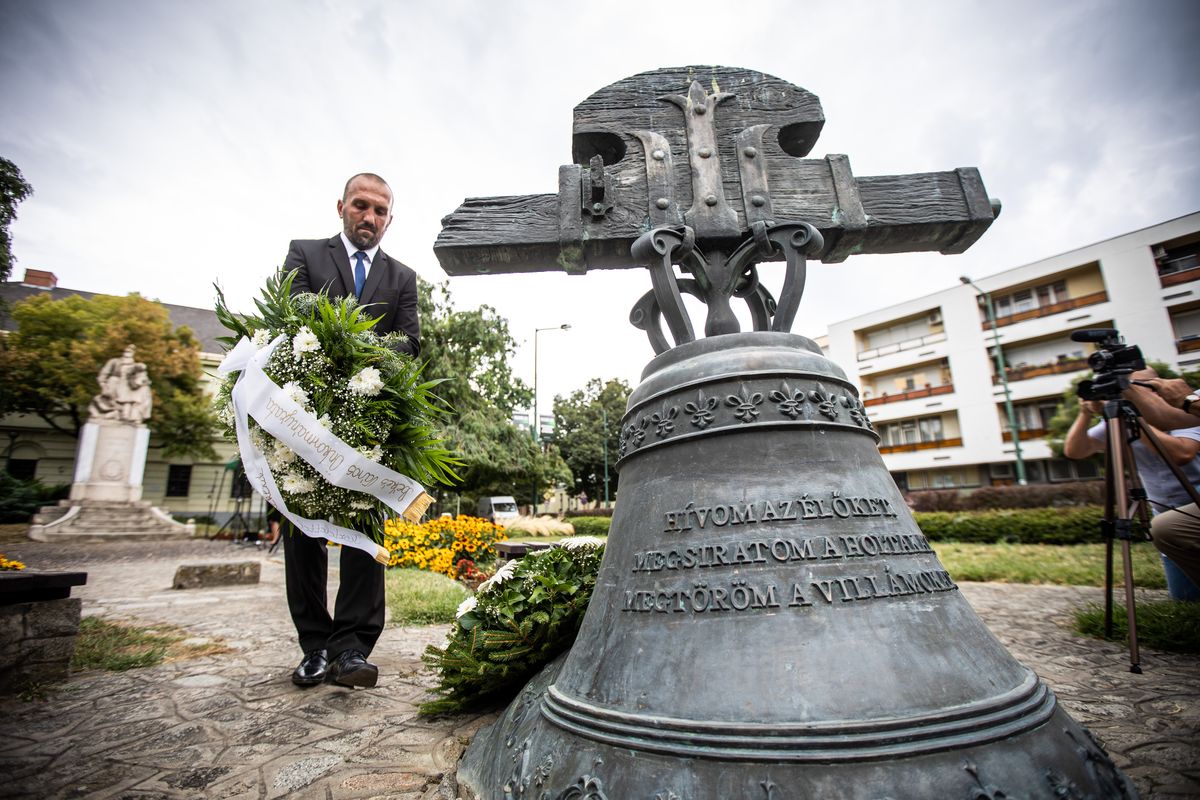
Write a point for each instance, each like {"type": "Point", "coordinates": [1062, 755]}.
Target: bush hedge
{"type": "Point", "coordinates": [1079, 493]}
{"type": "Point", "coordinates": [1072, 525]}
{"type": "Point", "coordinates": [1024, 526]}
{"type": "Point", "coordinates": [591, 526]}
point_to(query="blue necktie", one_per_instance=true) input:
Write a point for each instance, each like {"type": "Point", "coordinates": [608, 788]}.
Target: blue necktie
{"type": "Point", "coordinates": [360, 273]}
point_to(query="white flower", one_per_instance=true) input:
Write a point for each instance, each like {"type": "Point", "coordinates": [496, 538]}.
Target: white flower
{"type": "Point", "coordinates": [305, 341]}
{"type": "Point", "coordinates": [296, 393]}
{"type": "Point", "coordinates": [226, 415]}
{"type": "Point", "coordinates": [262, 338]}
{"type": "Point", "coordinates": [373, 453]}
{"type": "Point", "coordinates": [282, 453]}
{"type": "Point", "coordinates": [465, 606]}
{"type": "Point", "coordinates": [504, 573]}
{"type": "Point", "coordinates": [366, 382]}
{"type": "Point", "coordinates": [580, 542]}
{"type": "Point", "coordinates": [361, 505]}
{"type": "Point", "coordinates": [261, 441]}
{"type": "Point", "coordinates": [296, 484]}
{"type": "Point", "coordinates": [325, 422]}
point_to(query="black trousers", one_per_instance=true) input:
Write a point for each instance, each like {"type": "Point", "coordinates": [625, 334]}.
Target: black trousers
{"type": "Point", "coordinates": [357, 617]}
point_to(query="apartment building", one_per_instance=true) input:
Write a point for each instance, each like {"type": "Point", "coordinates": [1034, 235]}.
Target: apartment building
{"type": "Point", "coordinates": [928, 376]}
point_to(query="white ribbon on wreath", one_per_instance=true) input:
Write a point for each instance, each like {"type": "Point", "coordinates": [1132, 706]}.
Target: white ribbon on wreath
{"type": "Point", "coordinates": [256, 395]}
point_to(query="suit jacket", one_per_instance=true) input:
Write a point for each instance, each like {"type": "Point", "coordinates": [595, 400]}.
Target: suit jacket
{"type": "Point", "coordinates": [390, 290]}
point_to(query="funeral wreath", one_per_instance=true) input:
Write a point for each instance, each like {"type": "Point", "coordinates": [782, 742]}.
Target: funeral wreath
{"type": "Point", "coordinates": [335, 428]}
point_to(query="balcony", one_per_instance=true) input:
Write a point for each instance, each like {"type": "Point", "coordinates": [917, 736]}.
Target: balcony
{"type": "Point", "coordinates": [907, 344]}
{"type": "Point", "coordinates": [1187, 344]}
{"type": "Point", "coordinates": [1038, 370]}
{"type": "Point", "coordinates": [1027, 434]}
{"type": "Point", "coordinates": [1046, 311]}
{"type": "Point", "coordinates": [1176, 278]}
{"type": "Point", "coordinates": [913, 447]}
{"type": "Point", "coordinates": [928, 391]}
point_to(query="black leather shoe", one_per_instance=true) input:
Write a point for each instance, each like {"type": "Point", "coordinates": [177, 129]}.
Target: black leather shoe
{"type": "Point", "coordinates": [312, 669]}
{"type": "Point", "coordinates": [351, 668]}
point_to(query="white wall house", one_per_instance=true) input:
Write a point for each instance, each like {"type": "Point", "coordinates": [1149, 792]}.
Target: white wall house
{"type": "Point", "coordinates": [928, 376]}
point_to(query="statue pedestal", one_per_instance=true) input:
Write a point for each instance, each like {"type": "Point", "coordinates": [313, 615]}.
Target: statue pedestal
{"type": "Point", "coordinates": [106, 497]}
{"type": "Point", "coordinates": [110, 461]}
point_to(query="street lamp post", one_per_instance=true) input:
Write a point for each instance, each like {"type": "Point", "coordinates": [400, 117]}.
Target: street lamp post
{"type": "Point", "coordinates": [537, 420]}
{"type": "Point", "coordinates": [604, 412]}
{"type": "Point", "coordinates": [1002, 371]}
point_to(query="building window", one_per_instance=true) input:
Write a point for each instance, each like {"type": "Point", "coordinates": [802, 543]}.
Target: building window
{"type": "Point", "coordinates": [179, 480]}
{"type": "Point", "coordinates": [1034, 416]}
{"type": "Point", "coordinates": [1177, 259]}
{"type": "Point", "coordinates": [23, 469]}
{"type": "Point", "coordinates": [1027, 300]}
{"type": "Point", "coordinates": [1062, 469]}
{"type": "Point", "coordinates": [912, 431]}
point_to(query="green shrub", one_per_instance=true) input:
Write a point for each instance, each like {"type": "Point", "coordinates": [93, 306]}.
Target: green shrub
{"type": "Point", "coordinates": [20, 500]}
{"type": "Point", "coordinates": [1025, 526]}
{"type": "Point", "coordinates": [591, 526]}
{"type": "Point", "coordinates": [517, 622]}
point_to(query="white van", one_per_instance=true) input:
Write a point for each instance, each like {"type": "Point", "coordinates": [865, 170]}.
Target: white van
{"type": "Point", "coordinates": [498, 510]}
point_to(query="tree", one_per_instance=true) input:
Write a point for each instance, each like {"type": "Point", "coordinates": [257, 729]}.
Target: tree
{"type": "Point", "coordinates": [13, 189]}
{"type": "Point", "coordinates": [50, 363]}
{"type": "Point", "coordinates": [470, 352]}
{"type": "Point", "coordinates": [579, 433]}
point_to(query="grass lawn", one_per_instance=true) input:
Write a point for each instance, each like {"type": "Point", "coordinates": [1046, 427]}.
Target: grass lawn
{"type": "Point", "coordinates": [1065, 565]}
{"type": "Point", "coordinates": [417, 597]}
{"type": "Point", "coordinates": [1164, 624]}
{"type": "Point", "coordinates": [118, 646]}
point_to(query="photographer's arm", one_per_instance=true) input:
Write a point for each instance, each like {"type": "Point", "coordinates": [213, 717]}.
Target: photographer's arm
{"type": "Point", "coordinates": [1178, 449]}
{"type": "Point", "coordinates": [1160, 405]}
{"type": "Point", "coordinates": [1078, 444]}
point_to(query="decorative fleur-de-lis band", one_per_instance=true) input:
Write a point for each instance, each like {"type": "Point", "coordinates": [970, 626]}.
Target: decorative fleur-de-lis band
{"type": "Point", "coordinates": [776, 399]}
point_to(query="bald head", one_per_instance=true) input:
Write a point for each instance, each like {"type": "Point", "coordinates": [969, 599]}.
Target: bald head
{"type": "Point", "coordinates": [368, 177]}
{"type": "Point", "coordinates": [365, 209]}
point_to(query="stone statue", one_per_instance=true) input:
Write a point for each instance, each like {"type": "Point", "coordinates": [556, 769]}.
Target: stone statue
{"type": "Point", "coordinates": [124, 390]}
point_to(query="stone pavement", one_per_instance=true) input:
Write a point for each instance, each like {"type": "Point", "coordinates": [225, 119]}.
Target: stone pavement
{"type": "Point", "coordinates": [232, 725]}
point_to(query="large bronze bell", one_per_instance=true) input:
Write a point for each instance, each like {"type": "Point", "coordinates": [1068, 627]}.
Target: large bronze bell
{"type": "Point", "coordinates": [770, 623]}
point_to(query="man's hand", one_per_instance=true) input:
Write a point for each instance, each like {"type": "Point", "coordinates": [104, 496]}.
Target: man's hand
{"type": "Point", "coordinates": [1160, 407]}
{"type": "Point", "coordinates": [1092, 408]}
{"type": "Point", "coordinates": [1172, 390]}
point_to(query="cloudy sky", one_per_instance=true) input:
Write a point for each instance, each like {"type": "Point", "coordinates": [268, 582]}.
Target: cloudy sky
{"type": "Point", "coordinates": [173, 144]}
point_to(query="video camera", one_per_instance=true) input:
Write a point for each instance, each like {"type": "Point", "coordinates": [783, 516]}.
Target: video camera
{"type": "Point", "coordinates": [1112, 363]}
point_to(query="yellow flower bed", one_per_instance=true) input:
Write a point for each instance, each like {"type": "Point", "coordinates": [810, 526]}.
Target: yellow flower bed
{"type": "Point", "coordinates": [439, 544]}
{"type": "Point", "coordinates": [8, 563]}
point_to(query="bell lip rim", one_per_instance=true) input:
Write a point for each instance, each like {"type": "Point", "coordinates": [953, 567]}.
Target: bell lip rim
{"type": "Point", "coordinates": [1026, 706]}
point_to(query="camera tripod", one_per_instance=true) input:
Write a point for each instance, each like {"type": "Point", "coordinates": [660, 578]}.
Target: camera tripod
{"type": "Point", "coordinates": [1125, 497]}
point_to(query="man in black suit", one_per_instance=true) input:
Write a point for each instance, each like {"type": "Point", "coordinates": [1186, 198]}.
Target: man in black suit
{"type": "Point", "coordinates": [336, 648]}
